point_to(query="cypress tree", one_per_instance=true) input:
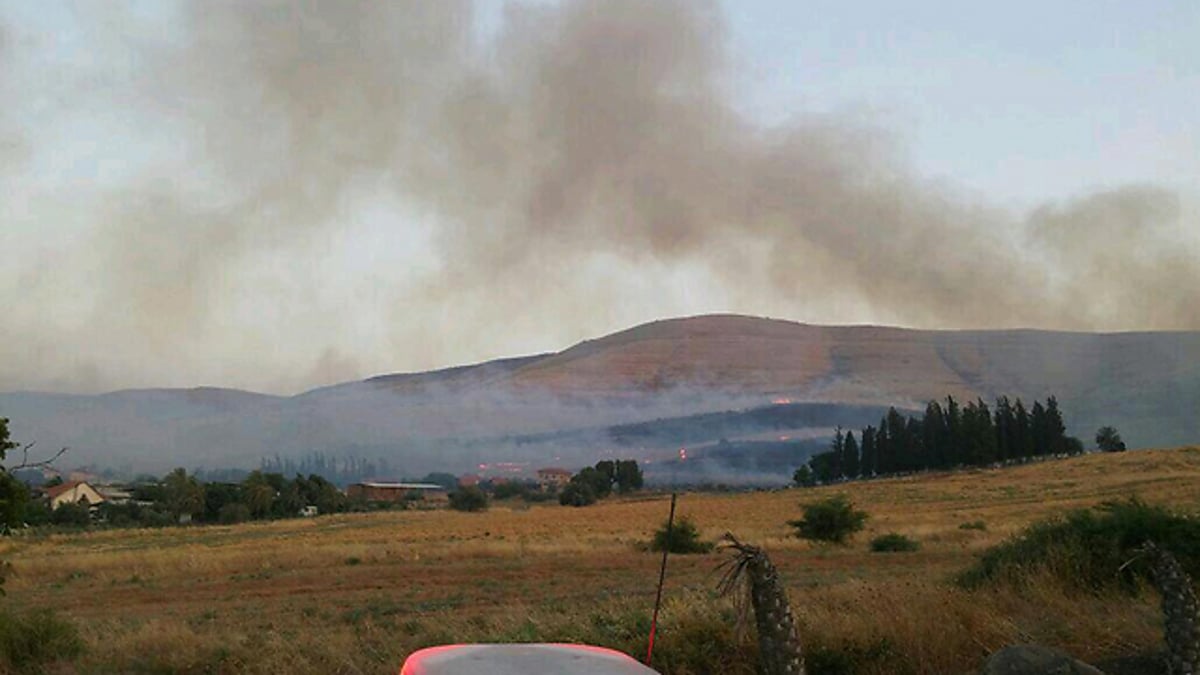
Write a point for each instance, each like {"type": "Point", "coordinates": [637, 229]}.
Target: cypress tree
{"type": "Point", "coordinates": [1003, 422]}
{"type": "Point", "coordinates": [914, 446]}
{"type": "Point", "coordinates": [1056, 430]}
{"type": "Point", "coordinates": [869, 456]}
{"type": "Point", "coordinates": [954, 442]}
{"type": "Point", "coordinates": [850, 452]}
{"type": "Point", "coordinates": [884, 457]}
{"type": "Point", "coordinates": [985, 434]}
{"type": "Point", "coordinates": [839, 458]}
{"type": "Point", "coordinates": [897, 441]}
{"type": "Point", "coordinates": [1039, 428]}
{"type": "Point", "coordinates": [933, 428]}
{"type": "Point", "coordinates": [1022, 432]}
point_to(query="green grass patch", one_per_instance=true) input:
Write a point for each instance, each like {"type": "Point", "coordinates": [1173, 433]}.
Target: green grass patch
{"type": "Point", "coordinates": [893, 542]}
{"type": "Point", "coordinates": [29, 641]}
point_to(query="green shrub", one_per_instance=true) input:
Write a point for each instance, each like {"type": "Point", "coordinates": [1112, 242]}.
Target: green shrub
{"type": "Point", "coordinates": [71, 515]}
{"type": "Point", "coordinates": [577, 494]}
{"type": "Point", "coordinates": [1089, 548]}
{"type": "Point", "coordinates": [233, 512]}
{"type": "Point", "coordinates": [973, 525]}
{"type": "Point", "coordinates": [893, 542]}
{"type": "Point", "coordinates": [684, 537]}
{"type": "Point", "coordinates": [469, 498]}
{"type": "Point", "coordinates": [30, 640]}
{"type": "Point", "coordinates": [509, 490]}
{"type": "Point", "coordinates": [831, 520]}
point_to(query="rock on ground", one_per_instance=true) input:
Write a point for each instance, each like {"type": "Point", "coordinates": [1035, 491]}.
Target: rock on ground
{"type": "Point", "coordinates": [1035, 660]}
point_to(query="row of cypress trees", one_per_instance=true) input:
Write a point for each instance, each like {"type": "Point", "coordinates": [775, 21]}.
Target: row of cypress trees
{"type": "Point", "coordinates": [944, 437]}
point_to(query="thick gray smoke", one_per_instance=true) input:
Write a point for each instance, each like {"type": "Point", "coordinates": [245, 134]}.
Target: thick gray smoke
{"type": "Point", "coordinates": [581, 167]}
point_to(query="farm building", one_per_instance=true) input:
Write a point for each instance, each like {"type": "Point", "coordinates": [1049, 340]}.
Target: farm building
{"type": "Point", "coordinates": [73, 492]}
{"type": "Point", "coordinates": [553, 477]}
{"type": "Point", "coordinates": [396, 492]}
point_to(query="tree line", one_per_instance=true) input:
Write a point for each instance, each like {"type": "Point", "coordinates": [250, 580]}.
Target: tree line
{"type": "Point", "coordinates": [945, 436]}
{"type": "Point", "coordinates": [182, 497]}
{"type": "Point", "coordinates": [597, 482]}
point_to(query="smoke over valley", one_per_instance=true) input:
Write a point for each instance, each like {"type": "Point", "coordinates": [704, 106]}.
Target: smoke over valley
{"type": "Point", "coordinates": [277, 195]}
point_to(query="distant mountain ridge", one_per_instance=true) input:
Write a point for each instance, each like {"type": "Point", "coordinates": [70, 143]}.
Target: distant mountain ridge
{"type": "Point", "coordinates": [1145, 383]}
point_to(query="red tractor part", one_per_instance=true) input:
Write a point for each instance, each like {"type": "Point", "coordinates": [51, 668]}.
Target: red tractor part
{"type": "Point", "coordinates": [521, 659]}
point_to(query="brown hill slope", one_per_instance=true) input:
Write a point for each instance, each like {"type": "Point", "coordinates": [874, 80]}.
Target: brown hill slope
{"type": "Point", "coordinates": [747, 353]}
{"type": "Point", "coordinates": [1149, 382]}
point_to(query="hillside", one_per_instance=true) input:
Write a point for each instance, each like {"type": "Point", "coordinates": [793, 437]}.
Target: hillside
{"type": "Point", "coordinates": [1147, 384]}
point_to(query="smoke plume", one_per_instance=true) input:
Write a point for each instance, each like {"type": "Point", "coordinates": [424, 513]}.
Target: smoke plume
{"type": "Point", "coordinates": [391, 181]}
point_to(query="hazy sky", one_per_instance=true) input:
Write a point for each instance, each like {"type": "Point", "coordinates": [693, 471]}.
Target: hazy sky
{"type": "Point", "coordinates": [277, 195]}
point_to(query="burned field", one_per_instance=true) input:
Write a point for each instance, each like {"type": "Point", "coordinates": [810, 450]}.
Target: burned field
{"type": "Point", "coordinates": [356, 593]}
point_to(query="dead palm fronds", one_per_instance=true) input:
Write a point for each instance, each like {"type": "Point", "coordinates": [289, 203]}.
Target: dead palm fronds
{"type": "Point", "coordinates": [779, 646]}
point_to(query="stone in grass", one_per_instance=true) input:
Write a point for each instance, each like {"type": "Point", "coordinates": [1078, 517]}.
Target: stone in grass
{"type": "Point", "coordinates": [1034, 660]}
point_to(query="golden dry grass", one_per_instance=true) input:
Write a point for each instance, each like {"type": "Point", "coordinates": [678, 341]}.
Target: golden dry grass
{"type": "Point", "coordinates": [356, 593]}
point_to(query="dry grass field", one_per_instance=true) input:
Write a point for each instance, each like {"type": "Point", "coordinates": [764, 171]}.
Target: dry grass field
{"type": "Point", "coordinates": [356, 593]}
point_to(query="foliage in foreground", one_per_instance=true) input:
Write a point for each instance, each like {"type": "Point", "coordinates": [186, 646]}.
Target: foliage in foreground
{"type": "Point", "coordinates": [30, 640]}
{"type": "Point", "coordinates": [893, 542]}
{"type": "Point", "coordinates": [831, 520]}
{"type": "Point", "coordinates": [1089, 548]}
{"type": "Point", "coordinates": [684, 537]}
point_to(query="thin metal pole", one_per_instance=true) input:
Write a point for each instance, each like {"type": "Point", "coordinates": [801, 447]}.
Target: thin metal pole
{"type": "Point", "coordinates": [662, 575]}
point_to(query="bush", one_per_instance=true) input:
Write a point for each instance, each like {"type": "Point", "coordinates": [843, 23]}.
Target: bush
{"type": "Point", "coordinates": [29, 640]}
{"type": "Point", "coordinates": [577, 494]}
{"type": "Point", "coordinates": [233, 512]}
{"type": "Point", "coordinates": [509, 490]}
{"type": "Point", "coordinates": [804, 477]}
{"type": "Point", "coordinates": [539, 496]}
{"type": "Point", "coordinates": [973, 525]}
{"type": "Point", "coordinates": [831, 520]}
{"type": "Point", "coordinates": [893, 542]}
{"type": "Point", "coordinates": [469, 498]}
{"type": "Point", "coordinates": [1089, 548]}
{"type": "Point", "coordinates": [684, 537]}
{"type": "Point", "coordinates": [71, 515]}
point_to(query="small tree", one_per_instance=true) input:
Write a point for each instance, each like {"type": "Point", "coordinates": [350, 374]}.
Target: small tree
{"type": "Point", "coordinates": [577, 493]}
{"type": "Point", "coordinates": [184, 494]}
{"type": "Point", "coordinates": [629, 476]}
{"type": "Point", "coordinates": [596, 478]}
{"type": "Point", "coordinates": [831, 520]}
{"type": "Point", "coordinates": [804, 477]}
{"type": "Point", "coordinates": [1108, 439]}
{"type": "Point", "coordinates": [683, 537]}
{"type": "Point", "coordinates": [469, 498]}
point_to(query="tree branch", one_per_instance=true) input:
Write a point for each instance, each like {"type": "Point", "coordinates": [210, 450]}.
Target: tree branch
{"type": "Point", "coordinates": [43, 464]}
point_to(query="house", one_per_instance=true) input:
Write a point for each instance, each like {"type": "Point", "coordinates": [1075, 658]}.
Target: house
{"type": "Point", "coordinates": [552, 478]}
{"type": "Point", "coordinates": [115, 494]}
{"type": "Point", "coordinates": [375, 491]}
{"type": "Point", "coordinates": [73, 492]}
{"type": "Point", "coordinates": [468, 480]}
